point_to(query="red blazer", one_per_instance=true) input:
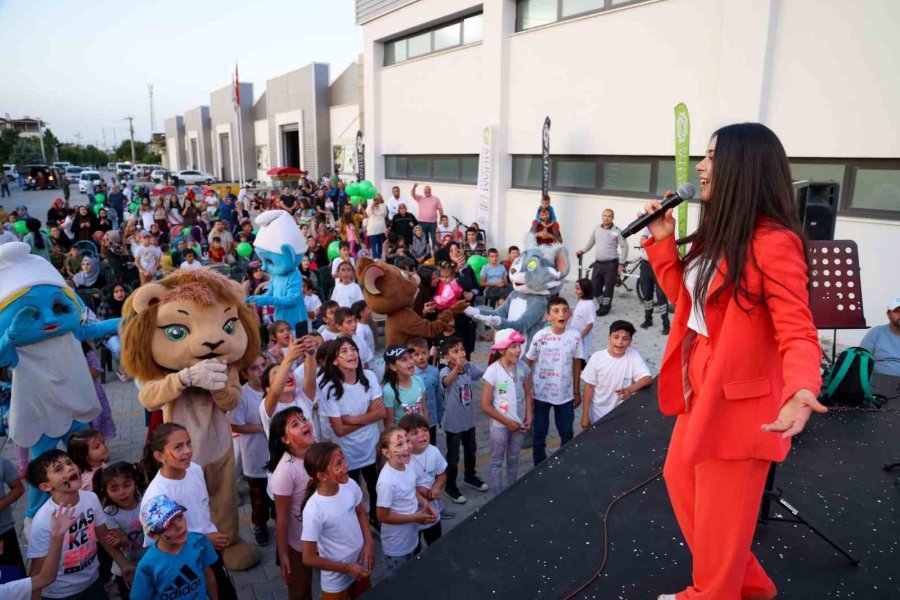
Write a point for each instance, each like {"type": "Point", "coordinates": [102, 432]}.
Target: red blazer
{"type": "Point", "coordinates": [760, 356]}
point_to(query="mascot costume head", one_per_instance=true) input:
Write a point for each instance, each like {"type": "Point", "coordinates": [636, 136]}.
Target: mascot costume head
{"type": "Point", "coordinates": [41, 320]}
{"type": "Point", "coordinates": [538, 272]}
{"type": "Point", "coordinates": [280, 248]}
{"type": "Point", "coordinates": [391, 291]}
{"type": "Point", "coordinates": [185, 338]}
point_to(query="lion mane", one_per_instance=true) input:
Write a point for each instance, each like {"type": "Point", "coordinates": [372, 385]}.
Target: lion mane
{"type": "Point", "coordinates": [201, 286]}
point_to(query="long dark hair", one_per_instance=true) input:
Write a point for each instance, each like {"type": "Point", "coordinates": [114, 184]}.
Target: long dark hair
{"type": "Point", "coordinates": [315, 461]}
{"type": "Point", "coordinates": [156, 443]}
{"type": "Point", "coordinates": [118, 469]}
{"type": "Point", "coordinates": [332, 374]}
{"type": "Point", "coordinates": [79, 446]}
{"type": "Point", "coordinates": [277, 446]}
{"type": "Point", "coordinates": [34, 226]}
{"type": "Point", "coordinates": [751, 179]}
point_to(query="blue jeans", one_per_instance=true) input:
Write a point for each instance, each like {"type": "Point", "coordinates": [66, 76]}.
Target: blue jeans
{"type": "Point", "coordinates": [430, 230]}
{"type": "Point", "coordinates": [37, 498]}
{"type": "Point", "coordinates": [375, 244]}
{"type": "Point", "coordinates": [563, 415]}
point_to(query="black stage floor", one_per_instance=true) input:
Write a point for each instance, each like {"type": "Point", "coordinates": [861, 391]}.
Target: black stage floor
{"type": "Point", "coordinates": [543, 537]}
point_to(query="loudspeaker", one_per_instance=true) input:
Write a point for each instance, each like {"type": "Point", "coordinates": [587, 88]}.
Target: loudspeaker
{"type": "Point", "coordinates": [818, 202]}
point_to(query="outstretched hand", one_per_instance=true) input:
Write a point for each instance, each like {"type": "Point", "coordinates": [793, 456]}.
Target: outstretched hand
{"type": "Point", "coordinates": [795, 413]}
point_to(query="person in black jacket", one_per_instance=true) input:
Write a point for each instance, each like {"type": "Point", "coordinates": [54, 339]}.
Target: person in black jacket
{"type": "Point", "coordinates": [403, 224]}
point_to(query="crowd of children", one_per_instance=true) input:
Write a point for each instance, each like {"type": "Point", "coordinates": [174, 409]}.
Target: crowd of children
{"type": "Point", "coordinates": [313, 423]}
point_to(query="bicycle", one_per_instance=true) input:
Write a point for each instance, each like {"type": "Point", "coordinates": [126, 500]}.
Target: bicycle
{"type": "Point", "coordinates": [631, 271]}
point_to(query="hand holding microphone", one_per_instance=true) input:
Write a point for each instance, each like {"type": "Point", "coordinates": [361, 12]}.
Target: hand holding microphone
{"type": "Point", "coordinates": [657, 216]}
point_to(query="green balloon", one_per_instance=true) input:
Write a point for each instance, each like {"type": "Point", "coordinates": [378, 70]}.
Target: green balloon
{"type": "Point", "coordinates": [367, 189]}
{"type": "Point", "coordinates": [333, 250]}
{"type": "Point", "coordinates": [133, 207]}
{"type": "Point", "coordinates": [355, 200]}
{"type": "Point", "coordinates": [98, 198]}
{"type": "Point", "coordinates": [20, 227]}
{"type": "Point", "coordinates": [97, 208]}
{"type": "Point", "coordinates": [352, 189]}
{"type": "Point", "coordinates": [244, 249]}
{"type": "Point", "coordinates": [477, 262]}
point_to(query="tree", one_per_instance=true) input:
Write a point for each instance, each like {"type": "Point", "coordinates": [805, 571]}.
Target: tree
{"type": "Point", "coordinates": [8, 139]}
{"type": "Point", "coordinates": [95, 156]}
{"type": "Point", "coordinates": [123, 152]}
{"type": "Point", "coordinates": [27, 151]}
{"type": "Point", "coordinates": [50, 145]}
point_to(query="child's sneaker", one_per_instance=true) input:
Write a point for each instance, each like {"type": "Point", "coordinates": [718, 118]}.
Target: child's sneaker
{"type": "Point", "coordinates": [454, 495]}
{"type": "Point", "coordinates": [476, 484]}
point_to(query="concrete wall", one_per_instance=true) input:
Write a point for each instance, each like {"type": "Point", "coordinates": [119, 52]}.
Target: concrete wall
{"type": "Point", "coordinates": [301, 97]}
{"type": "Point", "coordinates": [224, 119]}
{"type": "Point", "coordinates": [175, 150]}
{"type": "Point", "coordinates": [197, 128]}
{"type": "Point", "coordinates": [822, 75]}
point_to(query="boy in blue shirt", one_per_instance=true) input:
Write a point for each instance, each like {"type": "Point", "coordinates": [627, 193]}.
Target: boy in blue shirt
{"type": "Point", "coordinates": [545, 203]}
{"type": "Point", "coordinates": [180, 563]}
{"type": "Point", "coordinates": [434, 392]}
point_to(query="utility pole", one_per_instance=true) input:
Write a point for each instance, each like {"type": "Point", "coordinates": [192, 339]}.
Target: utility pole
{"type": "Point", "coordinates": [41, 138]}
{"type": "Point", "coordinates": [131, 129]}
{"type": "Point", "coordinates": [104, 139]}
{"type": "Point", "coordinates": [152, 112]}
{"type": "Point", "coordinates": [77, 137]}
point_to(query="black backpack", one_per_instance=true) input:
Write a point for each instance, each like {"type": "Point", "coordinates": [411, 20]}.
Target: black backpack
{"type": "Point", "coordinates": [848, 383]}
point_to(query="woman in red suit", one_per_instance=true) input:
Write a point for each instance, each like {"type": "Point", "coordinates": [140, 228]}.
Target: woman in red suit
{"type": "Point", "coordinates": [741, 366]}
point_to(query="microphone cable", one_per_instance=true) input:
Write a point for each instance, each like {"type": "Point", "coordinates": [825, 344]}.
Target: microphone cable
{"type": "Point", "coordinates": [612, 503]}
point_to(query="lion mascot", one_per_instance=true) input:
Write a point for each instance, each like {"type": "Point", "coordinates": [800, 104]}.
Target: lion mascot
{"type": "Point", "coordinates": [391, 291]}
{"type": "Point", "coordinates": [185, 338]}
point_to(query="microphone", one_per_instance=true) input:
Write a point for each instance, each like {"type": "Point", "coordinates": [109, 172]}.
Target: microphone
{"type": "Point", "coordinates": [685, 192]}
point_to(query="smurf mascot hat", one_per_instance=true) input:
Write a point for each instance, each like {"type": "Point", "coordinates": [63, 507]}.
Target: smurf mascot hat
{"type": "Point", "coordinates": [276, 228]}
{"type": "Point", "coordinates": [19, 269]}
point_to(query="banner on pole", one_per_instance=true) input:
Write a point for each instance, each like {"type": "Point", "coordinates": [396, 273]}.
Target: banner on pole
{"type": "Point", "coordinates": [360, 157]}
{"type": "Point", "coordinates": [545, 157]}
{"type": "Point", "coordinates": [682, 164]}
{"type": "Point", "coordinates": [483, 188]}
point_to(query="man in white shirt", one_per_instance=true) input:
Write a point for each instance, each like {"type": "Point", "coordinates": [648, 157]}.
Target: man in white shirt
{"type": "Point", "coordinates": [613, 374]}
{"type": "Point", "coordinates": [393, 203]}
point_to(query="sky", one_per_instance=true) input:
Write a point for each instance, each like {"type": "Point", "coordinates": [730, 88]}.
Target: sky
{"type": "Point", "coordinates": [84, 65]}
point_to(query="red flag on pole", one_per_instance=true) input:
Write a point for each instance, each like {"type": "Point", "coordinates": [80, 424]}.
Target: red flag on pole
{"type": "Point", "coordinates": [236, 95]}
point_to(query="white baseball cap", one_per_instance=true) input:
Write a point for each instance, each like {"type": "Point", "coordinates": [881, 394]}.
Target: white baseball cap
{"type": "Point", "coordinates": [894, 303]}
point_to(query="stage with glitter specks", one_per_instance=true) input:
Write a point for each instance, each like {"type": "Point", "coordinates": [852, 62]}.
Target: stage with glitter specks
{"type": "Point", "coordinates": [543, 537]}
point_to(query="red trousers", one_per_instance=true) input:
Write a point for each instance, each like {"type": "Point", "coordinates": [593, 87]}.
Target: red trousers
{"type": "Point", "coordinates": [716, 503]}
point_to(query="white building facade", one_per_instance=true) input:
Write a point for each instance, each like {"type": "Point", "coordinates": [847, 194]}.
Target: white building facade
{"type": "Point", "coordinates": [821, 74]}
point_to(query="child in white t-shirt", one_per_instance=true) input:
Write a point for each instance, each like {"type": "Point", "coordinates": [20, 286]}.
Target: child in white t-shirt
{"type": "Point", "coordinates": [282, 389]}
{"type": "Point", "coordinates": [346, 291]}
{"type": "Point", "coordinates": [582, 320]}
{"type": "Point", "coordinates": [554, 358]}
{"type": "Point", "coordinates": [506, 398]}
{"type": "Point", "coordinates": [430, 468]}
{"type": "Point", "coordinates": [329, 329]}
{"type": "Point", "coordinates": [61, 520]}
{"type": "Point", "coordinates": [347, 325]}
{"type": "Point", "coordinates": [311, 301]}
{"type": "Point", "coordinates": [246, 422]}
{"type": "Point", "coordinates": [78, 572]}
{"type": "Point", "coordinates": [336, 537]}
{"type": "Point", "coordinates": [401, 507]}
{"type": "Point", "coordinates": [613, 374]}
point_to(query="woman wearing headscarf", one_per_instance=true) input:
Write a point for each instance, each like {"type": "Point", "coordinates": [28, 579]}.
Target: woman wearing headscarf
{"type": "Point", "coordinates": [90, 275]}
{"type": "Point", "coordinates": [84, 224]}
{"type": "Point", "coordinates": [56, 214]}
{"type": "Point", "coordinates": [418, 250]}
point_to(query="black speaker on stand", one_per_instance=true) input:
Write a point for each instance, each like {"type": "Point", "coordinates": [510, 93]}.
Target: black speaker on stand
{"type": "Point", "coordinates": [818, 204]}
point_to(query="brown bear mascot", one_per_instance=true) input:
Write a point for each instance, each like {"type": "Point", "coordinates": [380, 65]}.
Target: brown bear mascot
{"type": "Point", "coordinates": [184, 339]}
{"type": "Point", "coordinates": [391, 292]}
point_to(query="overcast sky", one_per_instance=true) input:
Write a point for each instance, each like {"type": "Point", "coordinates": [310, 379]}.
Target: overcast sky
{"type": "Point", "coordinates": [84, 65]}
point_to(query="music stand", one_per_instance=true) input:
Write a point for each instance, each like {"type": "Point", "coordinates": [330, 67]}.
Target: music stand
{"type": "Point", "coordinates": [835, 300]}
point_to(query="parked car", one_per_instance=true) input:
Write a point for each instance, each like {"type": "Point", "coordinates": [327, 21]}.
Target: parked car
{"type": "Point", "coordinates": [85, 177]}
{"type": "Point", "coordinates": [62, 164]}
{"type": "Point", "coordinates": [72, 173]}
{"type": "Point", "coordinates": [194, 177]}
{"type": "Point", "coordinates": [123, 170]}
{"type": "Point", "coordinates": [11, 171]}
{"type": "Point", "coordinates": [41, 177]}
{"type": "Point", "coordinates": [159, 175]}
{"type": "Point", "coordinates": [110, 166]}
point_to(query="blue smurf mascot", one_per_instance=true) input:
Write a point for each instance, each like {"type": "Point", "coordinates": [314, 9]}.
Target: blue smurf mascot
{"type": "Point", "coordinates": [539, 272]}
{"type": "Point", "coordinates": [41, 318]}
{"type": "Point", "coordinates": [280, 248]}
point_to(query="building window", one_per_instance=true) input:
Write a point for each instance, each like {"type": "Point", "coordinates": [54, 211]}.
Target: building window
{"type": "Point", "coordinates": [665, 176]}
{"type": "Point", "coordinates": [526, 172]}
{"type": "Point", "coordinates": [534, 13]}
{"type": "Point", "coordinates": [448, 168]}
{"type": "Point", "coordinates": [459, 32]}
{"type": "Point", "coordinates": [876, 190]}
{"type": "Point", "coordinates": [575, 174]}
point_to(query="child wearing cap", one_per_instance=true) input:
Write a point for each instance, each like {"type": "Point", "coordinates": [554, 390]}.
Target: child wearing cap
{"type": "Point", "coordinates": [506, 399]}
{"type": "Point", "coordinates": [179, 565]}
{"type": "Point", "coordinates": [404, 392]}
{"type": "Point", "coordinates": [612, 374]}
